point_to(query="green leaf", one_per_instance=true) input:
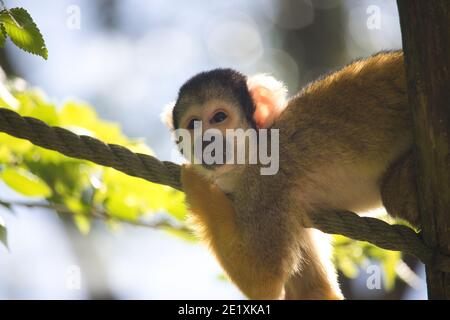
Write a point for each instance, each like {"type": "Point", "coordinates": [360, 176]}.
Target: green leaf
{"type": "Point", "coordinates": [23, 32]}
{"type": "Point", "coordinates": [186, 236]}
{"type": "Point", "coordinates": [3, 233]}
{"type": "Point", "coordinates": [2, 35]}
{"type": "Point", "coordinates": [83, 223]}
{"type": "Point", "coordinates": [82, 119]}
{"type": "Point", "coordinates": [123, 207]}
{"type": "Point", "coordinates": [389, 266]}
{"type": "Point", "coordinates": [222, 277]}
{"type": "Point", "coordinates": [348, 267]}
{"type": "Point", "coordinates": [25, 182]}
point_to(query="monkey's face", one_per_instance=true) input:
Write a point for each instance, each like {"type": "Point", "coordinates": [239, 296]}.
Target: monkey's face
{"type": "Point", "coordinates": [208, 125]}
{"type": "Point", "coordinates": [213, 114]}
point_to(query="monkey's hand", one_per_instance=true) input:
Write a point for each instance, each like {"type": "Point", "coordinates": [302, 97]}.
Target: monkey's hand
{"type": "Point", "coordinates": [214, 216]}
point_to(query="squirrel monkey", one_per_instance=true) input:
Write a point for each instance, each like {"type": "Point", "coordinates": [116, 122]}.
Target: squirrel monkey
{"type": "Point", "coordinates": [345, 143]}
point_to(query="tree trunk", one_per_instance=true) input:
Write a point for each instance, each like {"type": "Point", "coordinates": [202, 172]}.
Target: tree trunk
{"type": "Point", "coordinates": [426, 43]}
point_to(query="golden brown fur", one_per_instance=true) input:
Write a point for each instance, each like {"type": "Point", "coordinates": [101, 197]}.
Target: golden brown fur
{"type": "Point", "coordinates": [342, 139]}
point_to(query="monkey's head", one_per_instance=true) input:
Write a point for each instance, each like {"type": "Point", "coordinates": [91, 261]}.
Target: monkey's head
{"type": "Point", "coordinates": [223, 99]}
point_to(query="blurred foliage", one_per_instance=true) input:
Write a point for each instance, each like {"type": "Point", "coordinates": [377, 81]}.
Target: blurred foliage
{"type": "Point", "coordinates": [85, 191]}
{"type": "Point", "coordinates": [350, 256]}
{"type": "Point", "coordinates": [76, 187]}
{"type": "Point", "coordinates": [3, 233]}
{"type": "Point", "coordinates": [21, 29]}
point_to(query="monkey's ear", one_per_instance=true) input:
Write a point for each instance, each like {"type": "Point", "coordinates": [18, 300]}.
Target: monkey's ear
{"type": "Point", "coordinates": [269, 96]}
{"type": "Point", "coordinates": [166, 115]}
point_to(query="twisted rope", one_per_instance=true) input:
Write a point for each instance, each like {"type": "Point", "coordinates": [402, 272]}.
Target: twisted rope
{"type": "Point", "coordinates": [88, 148]}
{"type": "Point", "coordinates": [380, 233]}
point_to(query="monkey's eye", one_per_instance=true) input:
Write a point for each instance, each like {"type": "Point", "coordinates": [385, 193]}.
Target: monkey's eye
{"type": "Point", "coordinates": [219, 117]}
{"type": "Point", "coordinates": [191, 124]}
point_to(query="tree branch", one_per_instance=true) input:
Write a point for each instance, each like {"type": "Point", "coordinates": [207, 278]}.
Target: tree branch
{"type": "Point", "coordinates": [164, 222]}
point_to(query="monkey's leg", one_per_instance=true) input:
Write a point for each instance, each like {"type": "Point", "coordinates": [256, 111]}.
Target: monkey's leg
{"type": "Point", "coordinates": [316, 278]}
{"type": "Point", "coordinates": [214, 216]}
{"type": "Point", "coordinates": [398, 190]}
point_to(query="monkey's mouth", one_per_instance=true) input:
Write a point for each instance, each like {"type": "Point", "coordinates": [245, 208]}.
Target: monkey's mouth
{"type": "Point", "coordinates": [215, 161]}
{"type": "Point", "coordinates": [212, 166]}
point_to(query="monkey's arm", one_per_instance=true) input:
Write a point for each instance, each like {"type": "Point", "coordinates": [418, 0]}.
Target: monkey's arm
{"type": "Point", "coordinates": [258, 278]}
{"type": "Point", "coordinates": [214, 216]}
{"type": "Point", "coordinates": [315, 281]}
